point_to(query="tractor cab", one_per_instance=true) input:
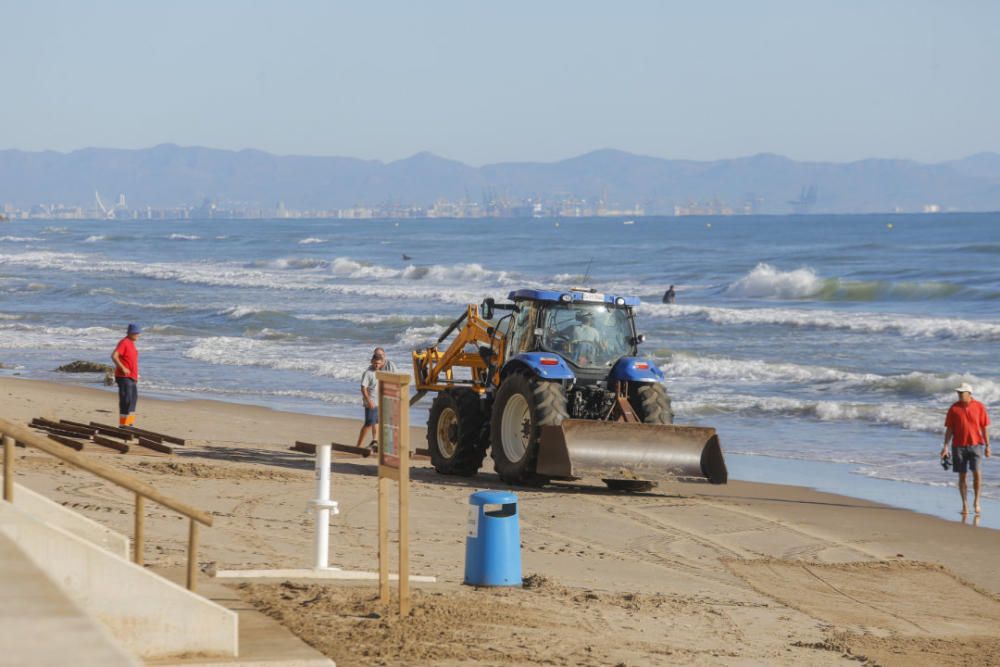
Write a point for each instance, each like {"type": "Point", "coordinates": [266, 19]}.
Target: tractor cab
{"type": "Point", "coordinates": [590, 332]}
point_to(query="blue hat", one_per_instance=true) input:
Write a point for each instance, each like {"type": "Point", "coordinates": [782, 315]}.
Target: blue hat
{"type": "Point", "coordinates": [134, 329]}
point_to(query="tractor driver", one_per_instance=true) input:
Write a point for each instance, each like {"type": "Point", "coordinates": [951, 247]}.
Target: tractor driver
{"type": "Point", "coordinates": [584, 338]}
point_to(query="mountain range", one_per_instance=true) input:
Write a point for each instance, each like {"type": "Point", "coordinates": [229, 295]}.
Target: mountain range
{"type": "Point", "coordinates": [170, 175]}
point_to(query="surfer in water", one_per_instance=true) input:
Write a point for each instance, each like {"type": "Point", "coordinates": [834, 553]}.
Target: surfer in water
{"type": "Point", "coordinates": [669, 296]}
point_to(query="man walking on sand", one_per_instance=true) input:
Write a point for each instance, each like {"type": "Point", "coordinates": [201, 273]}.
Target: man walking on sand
{"type": "Point", "coordinates": [369, 394]}
{"type": "Point", "coordinates": [967, 427]}
{"type": "Point", "coordinates": [126, 359]}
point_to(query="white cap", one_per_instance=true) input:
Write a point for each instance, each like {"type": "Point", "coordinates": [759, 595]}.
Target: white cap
{"type": "Point", "coordinates": [965, 386]}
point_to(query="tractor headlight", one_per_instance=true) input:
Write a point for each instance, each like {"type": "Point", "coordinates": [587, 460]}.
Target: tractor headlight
{"type": "Point", "coordinates": [620, 301]}
{"type": "Point", "coordinates": [565, 298]}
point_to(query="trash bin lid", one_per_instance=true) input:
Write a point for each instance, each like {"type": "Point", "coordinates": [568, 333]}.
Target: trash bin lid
{"type": "Point", "coordinates": [492, 498]}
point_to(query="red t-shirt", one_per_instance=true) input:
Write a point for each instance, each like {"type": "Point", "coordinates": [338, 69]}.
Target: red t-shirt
{"type": "Point", "coordinates": [129, 357]}
{"type": "Point", "coordinates": [967, 423]}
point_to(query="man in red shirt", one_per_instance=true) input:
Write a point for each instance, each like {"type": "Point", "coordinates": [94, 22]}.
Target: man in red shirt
{"type": "Point", "coordinates": [967, 427]}
{"type": "Point", "coordinates": [126, 359]}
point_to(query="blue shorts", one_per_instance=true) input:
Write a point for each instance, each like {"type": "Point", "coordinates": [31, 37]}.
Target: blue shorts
{"type": "Point", "coordinates": [371, 416]}
{"type": "Point", "coordinates": [968, 458]}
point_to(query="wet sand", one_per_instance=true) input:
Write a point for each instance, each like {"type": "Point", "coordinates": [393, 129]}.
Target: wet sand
{"type": "Point", "coordinates": [747, 573]}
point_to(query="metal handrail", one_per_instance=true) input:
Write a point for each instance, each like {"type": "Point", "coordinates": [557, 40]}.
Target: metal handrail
{"type": "Point", "coordinates": [13, 434]}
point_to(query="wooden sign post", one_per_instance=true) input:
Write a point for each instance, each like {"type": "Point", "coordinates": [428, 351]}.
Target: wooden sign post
{"type": "Point", "coordinates": [394, 464]}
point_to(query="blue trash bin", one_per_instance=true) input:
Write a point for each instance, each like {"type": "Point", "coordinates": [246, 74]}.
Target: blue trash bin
{"type": "Point", "coordinates": [493, 540]}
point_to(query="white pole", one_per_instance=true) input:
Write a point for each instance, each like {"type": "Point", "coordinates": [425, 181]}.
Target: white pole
{"type": "Point", "coordinates": [323, 507]}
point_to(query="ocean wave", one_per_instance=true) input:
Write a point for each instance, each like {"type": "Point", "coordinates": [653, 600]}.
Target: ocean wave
{"type": "Point", "coordinates": [324, 397]}
{"type": "Point", "coordinates": [686, 367]}
{"type": "Point", "coordinates": [909, 417]}
{"type": "Point", "coordinates": [240, 312]}
{"type": "Point", "coordinates": [23, 336]}
{"type": "Point", "coordinates": [341, 364]}
{"type": "Point", "coordinates": [460, 287]}
{"type": "Point", "coordinates": [767, 282]}
{"type": "Point", "coordinates": [419, 337]}
{"type": "Point", "coordinates": [20, 239]}
{"type": "Point", "coordinates": [184, 237]}
{"type": "Point", "coordinates": [312, 240]}
{"type": "Point", "coordinates": [289, 263]}
{"type": "Point", "coordinates": [95, 238]}
{"type": "Point", "coordinates": [878, 323]}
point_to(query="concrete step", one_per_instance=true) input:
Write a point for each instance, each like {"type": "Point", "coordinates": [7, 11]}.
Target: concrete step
{"type": "Point", "coordinates": [148, 615]}
{"type": "Point", "coordinates": [41, 626]}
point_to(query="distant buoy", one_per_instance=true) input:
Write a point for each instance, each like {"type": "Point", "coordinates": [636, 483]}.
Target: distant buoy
{"type": "Point", "coordinates": [397, 224]}
{"type": "Point", "coordinates": [889, 225]}
{"type": "Point", "coordinates": [708, 224]}
{"type": "Point", "coordinates": [557, 224]}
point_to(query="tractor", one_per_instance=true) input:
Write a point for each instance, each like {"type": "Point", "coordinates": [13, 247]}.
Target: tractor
{"type": "Point", "coordinates": [552, 385]}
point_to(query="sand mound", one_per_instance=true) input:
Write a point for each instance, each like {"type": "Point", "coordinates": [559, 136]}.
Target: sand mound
{"type": "Point", "coordinates": [213, 471]}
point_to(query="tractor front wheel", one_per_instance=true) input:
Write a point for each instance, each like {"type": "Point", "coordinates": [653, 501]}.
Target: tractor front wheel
{"type": "Point", "coordinates": [455, 432]}
{"type": "Point", "coordinates": [523, 405]}
{"type": "Point", "coordinates": [651, 403]}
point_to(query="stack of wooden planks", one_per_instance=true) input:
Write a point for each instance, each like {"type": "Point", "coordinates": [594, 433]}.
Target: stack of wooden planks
{"type": "Point", "coordinates": [310, 448]}
{"type": "Point", "coordinates": [121, 439]}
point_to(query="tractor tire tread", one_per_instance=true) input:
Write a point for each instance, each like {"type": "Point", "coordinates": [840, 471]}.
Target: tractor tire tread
{"type": "Point", "coordinates": [470, 450]}
{"type": "Point", "coordinates": [652, 404]}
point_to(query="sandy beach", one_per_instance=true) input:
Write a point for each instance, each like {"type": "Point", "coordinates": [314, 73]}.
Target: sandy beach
{"type": "Point", "coordinates": [741, 574]}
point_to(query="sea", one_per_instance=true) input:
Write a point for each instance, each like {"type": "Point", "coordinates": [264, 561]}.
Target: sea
{"type": "Point", "coordinates": [820, 347]}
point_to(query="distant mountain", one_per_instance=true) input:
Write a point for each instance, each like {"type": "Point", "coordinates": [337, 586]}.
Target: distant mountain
{"type": "Point", "coordinates": [169, 175]}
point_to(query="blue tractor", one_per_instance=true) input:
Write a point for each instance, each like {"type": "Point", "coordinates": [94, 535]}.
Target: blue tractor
{"type": "Point", "coordinates": [551, 384]}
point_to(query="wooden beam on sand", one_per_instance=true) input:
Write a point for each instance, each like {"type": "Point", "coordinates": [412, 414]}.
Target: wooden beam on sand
{"type": "Point", "coordinates": [69, 442]}
{"type": "Point", "coordinates": [153, 435]}
{"type": "Point", "coordinates": [304, 447]}
{"type": "Point", "coordinates": [50, 430]}
{"type": "Point", "coordinates": [120, 447]}
{"type": "Point", "coordinates": [113, 430]}
{"type": "Point", "coordinates": [61, 428]}
{"type": "Point", "coordinates": [156, 446]}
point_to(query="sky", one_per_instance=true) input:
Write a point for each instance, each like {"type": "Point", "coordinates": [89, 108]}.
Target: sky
{"type": "Point", "coordinates": [485, 82]}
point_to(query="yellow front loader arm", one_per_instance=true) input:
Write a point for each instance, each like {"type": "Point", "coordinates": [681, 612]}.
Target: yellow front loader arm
{"type": "Point", "coordinates": [433, 369]}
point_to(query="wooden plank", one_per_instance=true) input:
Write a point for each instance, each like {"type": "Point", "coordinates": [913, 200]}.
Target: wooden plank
{"type": "Point", "coordinates": [69, 442]}
{"type": "Point", "coordinates": [304, 447]}
{"type": "Point", "coordinates": [51, 430]}
{"type": "Point", "coordinates": [121, 447]}
{"type": "Point", "coordinates": [351, 449]}
{"type": "Point", "coordinates": [60, 427]}
{"type": "Point", "coordinates": [155, 446]}
{"type": "Point", "coordinates": [70, 422]}
{"type": "Point", "coordinates": [153, 435]}
{"type": "Point", "coordinates": [113, 430]}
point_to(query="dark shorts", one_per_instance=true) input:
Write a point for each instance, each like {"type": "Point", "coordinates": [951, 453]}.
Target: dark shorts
{"type": "Point", "coordinates": [371, 416]}
{"type": "Point", "coordinates": [968, 458]}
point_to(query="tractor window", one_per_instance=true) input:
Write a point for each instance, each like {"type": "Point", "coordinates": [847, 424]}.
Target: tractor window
{"type": "Point", "coordinates": [587, 334]}
{"type": "Point", "coordinates": [524, 323]}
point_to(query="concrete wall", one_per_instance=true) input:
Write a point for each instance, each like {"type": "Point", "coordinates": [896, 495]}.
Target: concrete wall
{"type": "Point", "coordinates": [55, 514]}
{"type": "Point", "coordinates": [40, 625]}
{"type": "Point", "coordinates": [145, 613]}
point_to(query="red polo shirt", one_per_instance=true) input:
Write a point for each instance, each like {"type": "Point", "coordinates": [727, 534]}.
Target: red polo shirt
{"type": "Point", "coordinates": [967, 423]}
{"type": "Point", "coordinates": [129, 357]}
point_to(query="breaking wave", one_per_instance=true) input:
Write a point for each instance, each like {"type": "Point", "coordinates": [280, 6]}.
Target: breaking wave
{"type": "Point", "coordinates": [311, 240]}
{"type": "Point", "coordinates": [767, 282]}
{"type": "Point", "coordinates": [687, 367]}
{"type": "Point", "coordinates": [903, 325]}
{"type": "Point", "coordinates": [183, 237]}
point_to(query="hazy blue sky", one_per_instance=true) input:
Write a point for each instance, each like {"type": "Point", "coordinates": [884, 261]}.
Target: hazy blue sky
{"type": "Point", "coordinates": [500, 81]}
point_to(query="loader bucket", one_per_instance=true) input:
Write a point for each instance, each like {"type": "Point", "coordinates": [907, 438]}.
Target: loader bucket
{"type": "Point", "coordinates": [630, 452]}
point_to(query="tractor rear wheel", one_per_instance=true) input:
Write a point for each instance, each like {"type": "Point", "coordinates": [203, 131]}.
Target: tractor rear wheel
{"type": "Point", "coordinates": [651, 403]}
{"type": "Point", "coordinates": [455, 432]}
{"type": "Point", "coordinates": [522, 406]}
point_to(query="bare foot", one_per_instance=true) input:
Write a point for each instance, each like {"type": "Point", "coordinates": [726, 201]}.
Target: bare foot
{"type": "Point", "coordinates": [965, 511]}
{"type": "Point", "coordinates": [978, 509]}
